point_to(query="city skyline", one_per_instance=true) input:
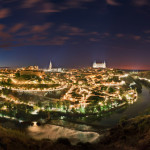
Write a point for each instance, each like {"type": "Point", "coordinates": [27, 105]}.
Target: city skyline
{"type": "Point", "coordinates": [89, 64]}
{"type": "Point", "coordinates": [75, 33]}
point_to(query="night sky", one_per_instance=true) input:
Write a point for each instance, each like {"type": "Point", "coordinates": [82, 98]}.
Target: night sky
{"type": "Point", "coordinates": [74, 33]}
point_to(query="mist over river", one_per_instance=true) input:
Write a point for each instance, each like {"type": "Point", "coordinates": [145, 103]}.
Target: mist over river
{"type": "Point", "coordinates": [54, 132]}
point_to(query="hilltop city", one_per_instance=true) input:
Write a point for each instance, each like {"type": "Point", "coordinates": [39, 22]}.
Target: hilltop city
{"type": "Point", "coordinates": [32, 94]}
{"type": "Point", "coordinates": [41, 101]}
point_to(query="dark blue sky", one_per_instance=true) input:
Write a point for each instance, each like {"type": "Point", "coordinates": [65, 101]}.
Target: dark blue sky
{"type": "Point", "coordinates": [74, 33]}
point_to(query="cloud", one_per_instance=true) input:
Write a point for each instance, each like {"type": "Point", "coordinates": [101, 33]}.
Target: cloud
{"type": "Point", "coordinates": [147, 31]}
{"type": "Point", "coordinates": [106, 34]}
{"type": "Point", "coordinates": [37, 38]}
{"type": "Point", "coordinates": [119, 35]}
{"type": "Point", "coordinates": [9, 1]}
{"type": "Point", "coordinates": [35, 30]}
{"type": "Point", "coordinates": [59, 40]}
{"type": "Point", "coordinates": [41, 28]}
{"type": "Point", "coordinates": [4, 35]}
{"type": "Point", "coordinates": [135, 37]}
{"type": "Point", "coordinates": [52, 7]}
{"type": "Point", "coordinates": [112, 2]}
{"type": "Point", "coordinates": [24, 33]}
{"type": "Point", "coordinates": [70, 30]}
{"type": "Point", "coordinates": [74, 3]}
{"type": "Point", "coordinates": [2, 27]}
{"type": "Point", "coordinates": [9, 45]}
{"type": "Point", "coordinates": [75, 31]}
{"type": "Point", "coordinates": [5, 12]}
{"type": "Point", "coordinates": [140, 3]}
{"type": "Point", "coordinates": [94, 40]}
{"type": "Point", "coordinates": [29, 3]}
{"type": "Point", "coordinates": [6, 46]}
{"type": "Point", "coordinates": [126, 36]}
{"type": "Point", "coordinates": [16, 27]}
{"type": "Point", "coordinates": [147, 40]}
{"type": "Point", "coordinates": [94, 33]}
{"type": "Point", "coordinates": [48, 8]}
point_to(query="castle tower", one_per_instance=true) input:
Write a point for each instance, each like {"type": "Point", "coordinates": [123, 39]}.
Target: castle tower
{"type": "Point", "coordinates": [50, 66]}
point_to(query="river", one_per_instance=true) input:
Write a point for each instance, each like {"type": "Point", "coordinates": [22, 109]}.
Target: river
{"type": "Point", "coordinates": [75, 135]}
{"type": "Point", "coordinates": [133, 110]}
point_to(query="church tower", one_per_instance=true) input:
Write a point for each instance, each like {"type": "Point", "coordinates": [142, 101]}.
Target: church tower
{"type": "Point", "coordinates": [105, 64]}
{"type": "Point", "coordinates": [50, 66]}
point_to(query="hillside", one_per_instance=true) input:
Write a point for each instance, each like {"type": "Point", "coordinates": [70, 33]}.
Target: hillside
{"type": "Point", "coordinates": [131, 134]}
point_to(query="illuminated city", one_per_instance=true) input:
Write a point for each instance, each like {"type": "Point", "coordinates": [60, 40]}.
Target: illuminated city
{"type": "Point", "coordinates": [74, 75]}
{"type": "Point", "coordinates": [88, 91]}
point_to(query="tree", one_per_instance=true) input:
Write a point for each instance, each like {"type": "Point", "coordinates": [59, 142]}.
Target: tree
{"type": "Point", "coordinates": [68, 104]}
{"type": "Point", "coordinates": [9, 81]}
{"type": "Point", "coordinates": [109, 103]}
{"type": "Point", "coordinates": [115, 78]}
{"type": "Point", "coordinates": [124, 99]}
{"type": "Point", "coordinates": [39, 80]}
{"type": "Point", "coordinates": [111, 90]}
{"type": "Point", "coordinates": [17, 75]}
{"type": "Point", "coordinates": [58, 104]}
{"type": "Point", "coordinates": [50, 105]}
{"type": "Point", "coordinates": [39, 104]}
{"type": "Point", "coordinates": [73, 110]}
{"type": "Point", "coordinates": [98, 107]}
{"type": "Point", "coordinates": [121, 91]}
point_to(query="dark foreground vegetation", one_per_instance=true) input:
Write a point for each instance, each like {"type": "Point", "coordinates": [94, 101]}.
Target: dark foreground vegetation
{"type": "Point", "coordinates": [131, 134]}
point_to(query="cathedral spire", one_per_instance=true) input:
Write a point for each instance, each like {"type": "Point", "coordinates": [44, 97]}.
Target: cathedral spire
{"type": "Point", "coordinates": [50, 65]}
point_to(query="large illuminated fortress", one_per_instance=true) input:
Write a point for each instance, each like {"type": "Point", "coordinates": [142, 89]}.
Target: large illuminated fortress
{"type": "Point", "coordinates": [99, 65]}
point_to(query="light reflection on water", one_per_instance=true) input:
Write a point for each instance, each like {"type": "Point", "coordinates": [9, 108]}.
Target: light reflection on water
{"type": "Point", "coordinates": [54, 132]}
